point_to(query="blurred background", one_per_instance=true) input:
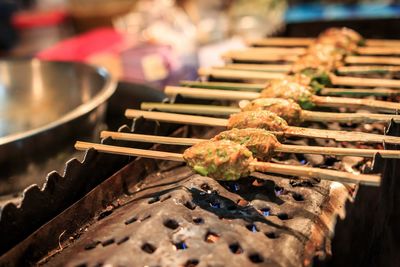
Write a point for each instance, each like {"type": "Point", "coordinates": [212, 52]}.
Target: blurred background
{"type": "Point", "coordinates": [158, 42]}
{"type": "Point", "coordinates": [145, 45]}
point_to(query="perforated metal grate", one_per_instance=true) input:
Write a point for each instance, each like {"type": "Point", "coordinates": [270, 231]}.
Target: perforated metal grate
{"type": "Point", "coordinates": [175, 218]}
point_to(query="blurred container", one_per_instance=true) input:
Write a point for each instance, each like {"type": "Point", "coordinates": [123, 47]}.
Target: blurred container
{"type": "Point", "coordinates": [39, 29]}
{"type": "Point", "coordinates": [89, 14]}
{"type": "Point", "coordinates": [257, 18]}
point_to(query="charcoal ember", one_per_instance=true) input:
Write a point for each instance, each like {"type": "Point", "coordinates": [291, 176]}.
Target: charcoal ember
{"type": "Point", "coordinates": [303, 182]}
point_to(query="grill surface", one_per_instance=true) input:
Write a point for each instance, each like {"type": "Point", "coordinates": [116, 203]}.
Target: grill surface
{"type": "Point", "coordinates": [176, 218]}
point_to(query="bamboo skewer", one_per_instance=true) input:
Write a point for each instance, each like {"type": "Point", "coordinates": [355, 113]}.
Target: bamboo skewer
{"type": "Point", "coordinates": [331, 101]}
{"type": "Point", "coordinates": [366, 82]}
{"type": "Point", "coordinates": [190, 108]}
{"type": "Point", "coordinates": [282, 41]}
{"type": "Point", "coordinates": [332, 175]}
{"type": "Point", "coordinates": [224, 85]}
{"type": "Point", "coordinates": [299, 51]}
{"type": "Point", "coordinates": [127, 151]}
{"type": "Point", "coordinates": [286, 68]}
{"type": "Point", "coordinates": [267, 76]}
{"type": "Point", "coordinates": [257, 55]}
{"type": "Point", "coordinates": [338, 151]}
{"type": "Point", "coordinates": [372, 60]}
{"type": "Point", "coordinates": [359, 92]}
{"type": "Point", "coordinates": [305, 114]}
{"type": "Point", "coordinates": [295, 41]}
{"type": "Point", "coordinates": [339, 136]}
{"type": "Point", "coordinates": [326, 101]}
{"type": "Point", "coordinates": [367, 69]}
{"type": "Point", "coordinates": [240, 74]}
{"type": "Point", "coordinates": [200, 93]}
{"type": "Point", "coordinates": [257, 87]}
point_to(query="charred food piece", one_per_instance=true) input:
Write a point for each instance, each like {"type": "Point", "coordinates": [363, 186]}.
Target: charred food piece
{"type": "Point", "coordinates": [261, 119]}
{"type": "Point", "coordinates": [221, 160]}
{"type": "Point", "coordinates": [284, 108]}
{"type": "Point", "coordinates": [289, 90]}
{"type": "Point", "coordinates": [260, 142]}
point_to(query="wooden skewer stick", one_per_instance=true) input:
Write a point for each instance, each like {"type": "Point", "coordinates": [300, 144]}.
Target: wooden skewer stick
{"type": "Point", "coordinates": [127, 151]}
{"type": "Point", "coordinates": [281, 41]}
{"type": "Point", "coordinates": [331, 175]}
{"type": "Point", "coordinates": [224, 85]}
{"type": "Point", "coordinates": [365, 82]}
{"type": "Point", "coordinates": [359, 92]}
{"type": "Point", "coordinates": [254, 55]}
{"type": "Point", "coordinates": [190, 108]}
{"type": "Point", "coordinates": [340, 136]}
{"type": "Point", "coordinates": [286, 68]}
{"type": "Point", "coordinates": [267, 76]}
{"type": "Point", "coordinates": [331, 101]}
{"type": "Point", "coordinates": [367, 69]}
{"type": "Point", "coordinates": [325, 101]}
{"type": "Point", "coordinates": [217, 94]}
{"type": "Point", "coordinates": [298, 51]}
{"type": "Point", "coordinates": [240, 74]}
{"type": "Point", "coordinates": [338, 151]}
{"type": "Point", "coordinates": [276, 50]}
{"type": "Point", "coordinates": [294, 41]}
{"type": "Point", "coordinates": [382, 42]}
{"type": "Point", "coordinates": [378, 50]}
{"type": "Point", "coordinates": [305, 114]}
{"type": "Point", "coordinates": [324, 174]}
{"type": "Point", "coordinates": [257, 87]}
{"type": "Point", "coordinates": [372, 60]}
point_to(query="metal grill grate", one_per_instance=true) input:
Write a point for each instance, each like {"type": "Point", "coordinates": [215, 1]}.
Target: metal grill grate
{"type": "Point", "coordinates": [180, 219]}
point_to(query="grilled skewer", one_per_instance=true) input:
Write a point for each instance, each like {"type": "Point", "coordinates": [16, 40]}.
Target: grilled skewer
{"type": "Point", "coordinates": [231, 161]}
{"type": "Point", "coordinates": [284, 108]}
{"type": "Point", "coordinates": [262, 143]}
{"type": "Point", "coordinates": [263, 120]}
{"type": "Point", "coordinates": [262, 55]}
{"type": "Point", "coordinates": [305, 98]}
{"type": "Point", "coordinates": [258, 87]}
{"type": "Point", "coordinates": [223, 73]}
{"type": "Point", "coordinates": [286, 68]}
{"type": "Point", "coordinates": [294, 42]}
{"type": "Point", "coordinates": [330, 51]}
{"type": "Point", "coordinates": [330, 47]}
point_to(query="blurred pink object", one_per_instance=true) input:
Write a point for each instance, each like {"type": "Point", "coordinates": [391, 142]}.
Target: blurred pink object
{"type": "Point", "coordinates": [81, 47]}
{"type": "Point", "coordinates": [125, 59]}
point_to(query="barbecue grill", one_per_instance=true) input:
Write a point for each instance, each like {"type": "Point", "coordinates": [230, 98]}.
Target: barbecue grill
{"type": "Point", "coordinates": [137, 211]}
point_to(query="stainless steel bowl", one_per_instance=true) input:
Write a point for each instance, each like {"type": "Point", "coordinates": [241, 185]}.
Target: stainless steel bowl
{"type": "Point", "coordinates": [45, 104]}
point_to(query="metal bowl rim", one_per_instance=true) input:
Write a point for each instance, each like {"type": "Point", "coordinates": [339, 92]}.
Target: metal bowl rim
{"type": "Point", "coordinates": [105, 93]}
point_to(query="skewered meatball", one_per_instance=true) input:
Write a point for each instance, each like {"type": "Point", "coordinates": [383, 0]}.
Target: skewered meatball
{"type": "Point", "coordinates": [342, 37]}
{"type": "Point", "coordinates": [260, 142]}
{"type": "Point", "coordinates": [257, 119]}
{"type": "Point", "coordinates": [289, 90]}
{"type": "Point", "coordinates": [221, 160]}
{"type": "Point", "coordinates": [320, 56]}
{"type": "Point", "coordinates": [284, 108]}
{"type": "Point", "coordinates": [317, 79]}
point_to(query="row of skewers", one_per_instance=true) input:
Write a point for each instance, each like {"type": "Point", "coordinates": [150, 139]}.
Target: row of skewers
{"type": "Point", "coordinates": [255, 125]}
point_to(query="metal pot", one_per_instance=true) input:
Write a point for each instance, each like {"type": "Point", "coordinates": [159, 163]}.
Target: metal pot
{"type": "Point", "coordinates": [45, 105]}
